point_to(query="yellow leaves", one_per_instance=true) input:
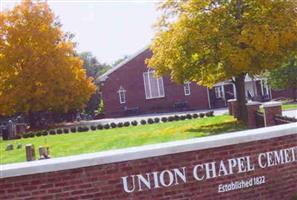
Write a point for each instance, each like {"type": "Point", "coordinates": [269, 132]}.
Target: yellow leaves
{"type": "Point", "coordinates": [207, 43]}
{"type": "Point", "coordinates": [38, 68]}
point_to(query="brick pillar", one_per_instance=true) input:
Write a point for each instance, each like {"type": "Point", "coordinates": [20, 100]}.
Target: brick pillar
{"type": "Point", "coordinates": [252, 108]}
{"type": "Point", "coordinates": [270, 110]}
{"type": "Point", "coordinates": [230, 106]}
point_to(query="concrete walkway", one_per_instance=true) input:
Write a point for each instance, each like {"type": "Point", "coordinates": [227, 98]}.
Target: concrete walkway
{"type": "Point", "coordinates": [138, 118]}
{"type": "Point", "coordinates": [290, 113]}
{"type": "Point", "coordinates": [220, 111]}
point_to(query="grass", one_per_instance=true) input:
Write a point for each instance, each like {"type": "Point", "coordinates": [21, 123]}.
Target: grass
{"type": "Point", "coordinates": [100, 140]}
{"type": "Point", "coordinates": [290, 106]}
{"type": "Point", "coordinates": [287, 106]}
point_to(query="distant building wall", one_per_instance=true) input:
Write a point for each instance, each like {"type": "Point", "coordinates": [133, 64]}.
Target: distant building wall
{"type": "Point", "coordinates": [130, 78]}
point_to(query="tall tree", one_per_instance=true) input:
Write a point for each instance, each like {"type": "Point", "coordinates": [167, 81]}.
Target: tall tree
{"type": "Point", "coordinates": [208, 41]}
{"type": "Point", "coordinates": [39, 71]}
{"type": "Point", "coordinates": [93, 67]}
{"type": "Point", "coordinates": [284, 77]}
{"type": "Point", "coordinates": [118, 61]}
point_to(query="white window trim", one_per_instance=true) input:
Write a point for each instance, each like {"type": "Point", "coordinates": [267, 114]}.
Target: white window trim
{"type": "Point", "coordinates": [218, 92]}
{"type": "Point", "coordinates": [150, 88]}
{"type": "Point", "coordinates": [121, 90]}
{"type": "Point", "coordinates": [187, 88]}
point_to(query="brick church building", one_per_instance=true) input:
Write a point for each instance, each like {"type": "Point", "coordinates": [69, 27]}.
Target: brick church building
{"type": "Point", "coordinates": [130, 88]}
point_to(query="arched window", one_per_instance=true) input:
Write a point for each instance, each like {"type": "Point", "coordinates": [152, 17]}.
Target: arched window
{"type": "Point", "coordinates": [122, 95]}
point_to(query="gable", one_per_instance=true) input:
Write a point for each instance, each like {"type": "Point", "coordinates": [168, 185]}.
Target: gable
{"type": "Point", "coordinates": [122, 64]}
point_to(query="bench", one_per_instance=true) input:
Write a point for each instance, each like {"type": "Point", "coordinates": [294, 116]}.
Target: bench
{"type": "Point", "coordinates": [181, 106]}
{"type": "Point", "coordinates": [131, 111]}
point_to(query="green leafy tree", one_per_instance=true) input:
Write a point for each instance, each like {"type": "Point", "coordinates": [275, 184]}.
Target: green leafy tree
{"type": "Point", "coordinates": [118, 61]}
{"type": "Point", "coordinates": [284, 77]}
{"type": "Point", "coordinates": [207, 41]}
{"type": "Point", "coordinates": [92, 66]}
{"type": "Point", "coordinates": [94, 69]}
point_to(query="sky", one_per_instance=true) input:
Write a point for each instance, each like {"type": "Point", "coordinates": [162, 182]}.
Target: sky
{"type": "Point", "coordinates": [109, 29]}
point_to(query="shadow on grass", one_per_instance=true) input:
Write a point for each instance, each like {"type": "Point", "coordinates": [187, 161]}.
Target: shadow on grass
{"type": "Point", "coordinates": [219, 128]}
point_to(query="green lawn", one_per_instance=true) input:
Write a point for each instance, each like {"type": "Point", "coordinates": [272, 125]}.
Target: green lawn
{"type": "Point", "coordinates": [290, 106]}
{"type": "Point", "coordinates": [94, 141]}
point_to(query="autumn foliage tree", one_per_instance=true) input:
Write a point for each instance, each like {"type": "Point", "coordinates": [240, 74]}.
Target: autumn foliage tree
{"type": "Point", "coordinates": [207, 41]}
{"type": "Point", "coordinates": [39, 71]}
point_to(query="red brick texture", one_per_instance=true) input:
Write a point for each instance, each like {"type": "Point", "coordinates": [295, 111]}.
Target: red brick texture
{"type": "Point", "coordinates": [269, 114]}
{"type": "Point", "coordinates": [251, 112]}
{"type": "Point", "coordinates": [130, 77]}
{"type": "Point", "coordinates": [104, 181]}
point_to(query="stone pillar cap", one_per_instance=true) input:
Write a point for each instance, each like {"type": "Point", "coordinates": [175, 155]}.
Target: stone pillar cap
{"type": "Point", "coordinates": [231, 100]}
{"type": "Point", "coordinates": [253, 103]}
{"type": "Point", "coordinates": [271, 104]}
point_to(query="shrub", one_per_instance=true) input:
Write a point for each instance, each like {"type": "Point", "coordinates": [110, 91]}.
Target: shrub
{"type": "Point", "coordinates": [189, 116]}
{"type": "Point", "coordinates": [17, 137]}
{"type": "Point", "coordinates": [126, 124]}
{"type": "Point", "coordinates": [83, 129]}
{"type": "Point", "coordinates": [25, 135]}
{"type": "Point", "coordinates": [150, 121]}
{"type": "Point", "coordinates": [209, 113]}
{"type": "Point", "coordinates": [38, 134]}
{"type": "Point", "coordinates": [113, 125]}
{"type": "Point", "coordinates": [164, 119]}
{"type": "Point", "coordinates": [157, 120]}
{"type": "Point", "coordinates": [59, 131]}
{"type": "Point", "coordinates": [52, 132]}
{"type": "Point", "coordinates": [93, 128]}
{"type": "Point", "coordinates": [44, 133]}
{"type": "Point", "coordinates": [201, 115]}
{"type": "Point", "coordinates": [120, 124]}
{"type": "Point", "coordinates": [195, 115]}
{"type": "Point", "coordinates": [183, 117]}
{"type": "Point", "coordinates": [31, 134]}
{"type": "Point", "coordinates": [80, 129]}
{"type": "Point", "coordinates": [73, 129]}
{"type": "Point", "coordinates": [176, 117]}
{"type": "Point", "coordinates": [134, 123]}
{"type": "Point", "coordinates": [171, 118]}
{"type": "Point", "coordinates": [106, 126]}
{"type": "Point", "coordinates": [66, 130]}
{"type": "Point", "coordinates": [100, 127]}
{"type": "Point", "coordinates": [143, 122]}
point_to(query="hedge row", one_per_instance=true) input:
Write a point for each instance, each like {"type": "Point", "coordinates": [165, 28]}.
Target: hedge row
{"type": "Point", "coordinates": [117, 125]}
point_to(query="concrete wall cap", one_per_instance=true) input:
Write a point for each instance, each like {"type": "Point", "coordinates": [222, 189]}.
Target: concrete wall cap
{"type": "Point", "coordinates": [253, 103]}
{"type": "Point", "coordinates": [147, 151]}
{"type": "Point", "coordinates": [232, 100]}
{"type": "Point", "coordinates": [271, 104]}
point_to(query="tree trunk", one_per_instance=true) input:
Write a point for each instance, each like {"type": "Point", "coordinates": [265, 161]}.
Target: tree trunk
{"type": "Point", "coordinates": [32, 120]}
{"type": "Point", "coordinates": [294, 90]}
{"type": "Point", "coordinates": [241, 99]}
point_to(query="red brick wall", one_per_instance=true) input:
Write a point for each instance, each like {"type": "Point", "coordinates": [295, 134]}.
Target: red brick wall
{"type": "Point", "coordinates": [104, 181]}
{"type": "Point", "coordinates": [130, 77]}
{"type": "Point", "coordinates": [282, 94]}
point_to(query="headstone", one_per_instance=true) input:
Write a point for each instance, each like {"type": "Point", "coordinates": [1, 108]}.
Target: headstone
{"type": "Point", "coordinates": [30, 152]}
{"type": "Point", "coordinates": [11, 129]}
{"type": "Point", "coordinates": [9, 147]}
{"type": "Point", "coordinates": [43, 153]}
